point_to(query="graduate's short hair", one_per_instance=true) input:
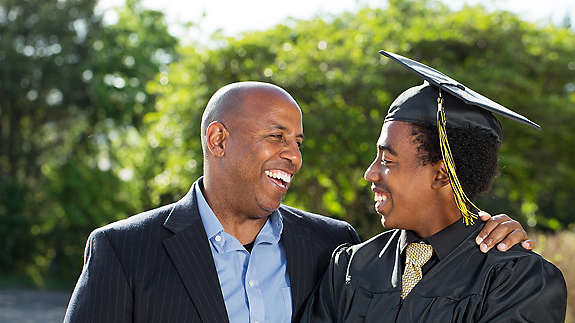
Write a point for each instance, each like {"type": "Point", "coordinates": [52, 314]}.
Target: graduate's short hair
{"type": "Point", "coordinates": [475, 152]}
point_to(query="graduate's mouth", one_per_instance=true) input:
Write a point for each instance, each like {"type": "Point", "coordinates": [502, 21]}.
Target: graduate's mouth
{"type": "Point", "coordinates": [381, 198]}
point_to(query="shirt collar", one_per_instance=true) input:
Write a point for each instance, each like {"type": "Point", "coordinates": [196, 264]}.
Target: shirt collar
{"type": "Point", "coordinates": [211, 223]}
{"type": "Point", "coordinates": [272, 230]}
{"type": "Point", "coordinates": [443, 242]}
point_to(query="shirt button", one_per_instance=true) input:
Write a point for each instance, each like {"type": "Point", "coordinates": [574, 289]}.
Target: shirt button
{"type": "Point", "coordinates": [252, 284]}
{"type": "Point", "coordinates": [256, 321]}
{"type": "Point", "coordinates": [218, 238]}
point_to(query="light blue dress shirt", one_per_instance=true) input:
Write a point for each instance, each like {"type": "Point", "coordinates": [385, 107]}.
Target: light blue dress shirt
{"type": "Point", "coordinates": [255, 286]}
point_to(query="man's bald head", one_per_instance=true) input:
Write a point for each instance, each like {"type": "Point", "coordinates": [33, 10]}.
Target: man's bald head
{"type": "Point", "coordinates": [230, 98]}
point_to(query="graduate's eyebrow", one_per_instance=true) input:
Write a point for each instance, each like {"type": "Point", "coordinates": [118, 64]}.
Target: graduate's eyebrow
{"type": "Point", "coordinates": [387, 148]}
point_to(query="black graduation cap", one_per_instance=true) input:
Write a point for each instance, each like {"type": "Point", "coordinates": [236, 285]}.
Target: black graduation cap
{"type": "Point", "coordinates": [443, 101]}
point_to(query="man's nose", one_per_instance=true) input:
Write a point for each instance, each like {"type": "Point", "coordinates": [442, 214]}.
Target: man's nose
{"type": "Point", "coordinates": [292, 153]}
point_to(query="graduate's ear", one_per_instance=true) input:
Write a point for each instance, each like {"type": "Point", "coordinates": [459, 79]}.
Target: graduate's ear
{"type": "Point", "coordinates": [216, 136]}
{"type": "Point", "coordinates": [441, 177]}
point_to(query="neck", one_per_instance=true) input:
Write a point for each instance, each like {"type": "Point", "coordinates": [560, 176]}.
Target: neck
{"type": "Point", "coordinates": [243, 226]}
{"type": "Point", "coordinates": [244, 229]}
{"type": "Point", "coordinates": [437, 218]}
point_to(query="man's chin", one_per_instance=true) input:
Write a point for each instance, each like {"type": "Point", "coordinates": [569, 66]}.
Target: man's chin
{"type": "Point", "coordinates": [269, 206]}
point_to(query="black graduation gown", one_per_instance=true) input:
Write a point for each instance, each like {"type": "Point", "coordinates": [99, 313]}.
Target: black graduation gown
{"type": "Point", "coordinates": [363, 284]}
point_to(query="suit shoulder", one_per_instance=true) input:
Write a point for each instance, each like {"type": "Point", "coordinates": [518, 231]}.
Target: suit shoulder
{"type": "Point", "coordinates": [324, 230]}
{"type": "Point", "coordinates": [140, 222]}
{"type": "Point", "coordinates": [313, 218]}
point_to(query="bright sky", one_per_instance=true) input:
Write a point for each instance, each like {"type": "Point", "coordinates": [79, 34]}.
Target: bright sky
{"type": "Point", "coordinates": [234, 16]}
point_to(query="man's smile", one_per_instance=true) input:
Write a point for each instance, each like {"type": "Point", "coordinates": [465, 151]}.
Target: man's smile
{"type": "Point", "coordinates": [279, 177]}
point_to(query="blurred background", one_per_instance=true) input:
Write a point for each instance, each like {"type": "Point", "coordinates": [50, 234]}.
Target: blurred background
{"type": "Point", "coordinates": [100, 107]}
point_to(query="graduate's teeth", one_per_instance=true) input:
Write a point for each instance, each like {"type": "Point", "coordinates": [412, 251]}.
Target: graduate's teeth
{"type": "Point", "coordinates": [380, 197]}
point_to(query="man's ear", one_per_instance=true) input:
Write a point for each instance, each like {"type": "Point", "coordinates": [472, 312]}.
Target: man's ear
{"type": "Point", "coordinates": [216, 136]}
{"type": "Point", "coordinates": [441, 177]}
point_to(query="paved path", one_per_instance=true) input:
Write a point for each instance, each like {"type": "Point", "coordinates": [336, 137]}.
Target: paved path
{"type": "Point", "coordinates": [32, 306]}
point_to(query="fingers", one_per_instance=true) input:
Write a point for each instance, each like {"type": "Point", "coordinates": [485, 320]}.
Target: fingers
{"type": "Point", "coordinates": [505, 231]}
{"type": "Point", "coordinates": [484, 216]}
{"type": "Point", "coordinates": [516, 236]}
{"type": "Point", "coordinates": [499, 233]}
{"type": "Point", "coordinates": [528, 244]}
{"type": "Point", "coordinates": [490, 225]}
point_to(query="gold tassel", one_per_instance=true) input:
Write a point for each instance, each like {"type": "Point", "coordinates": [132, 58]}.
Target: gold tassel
{"type": "Point", "coordinates": [461, 199]}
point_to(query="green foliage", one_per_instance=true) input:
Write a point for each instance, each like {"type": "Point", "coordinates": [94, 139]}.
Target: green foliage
{"type": "Point", "coordinates": [98, 122]}
{"type": "Point", "coordinates": [331, 67]}
{"type": "Point", "coordinates": [69, 85]}
{"type": "Point", "coordinates": [41, 61]}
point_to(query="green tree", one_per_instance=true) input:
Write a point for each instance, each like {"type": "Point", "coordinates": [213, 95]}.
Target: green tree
{"type": "Point", "coordinates": [41, 60]}
{"type": "Point", "coordinates": [100, 121]}
{"type": "Point", "coordinates": [332, 68]}
{"type": "Point", "coordinates": [69, 83]}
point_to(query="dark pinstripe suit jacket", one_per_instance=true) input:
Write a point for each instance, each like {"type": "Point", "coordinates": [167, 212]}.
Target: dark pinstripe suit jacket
{"type": "Point", "coordinates": [157, 266]}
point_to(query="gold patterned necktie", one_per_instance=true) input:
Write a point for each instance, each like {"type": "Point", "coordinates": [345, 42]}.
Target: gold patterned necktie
{"type": "Point", "coordinates": [416, 255]}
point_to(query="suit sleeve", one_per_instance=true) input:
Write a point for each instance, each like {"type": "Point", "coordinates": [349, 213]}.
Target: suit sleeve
{"type": "Point", "coordinates": [354, 237]}
{"type": "Point", "coordinates": [323, 305]}
{"type": "Point", "coordinates": [529, 290]}
{"type": "Point", "coordinates": [102, 293]}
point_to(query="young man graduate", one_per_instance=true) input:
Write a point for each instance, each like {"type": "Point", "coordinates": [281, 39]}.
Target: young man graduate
{"type": "Point", "coordinates": [437, 150]}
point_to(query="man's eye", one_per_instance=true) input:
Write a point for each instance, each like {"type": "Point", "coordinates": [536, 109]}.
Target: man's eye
{"type": "Point", "coordinates": [385, 161]}
{"type": "Point", "coordinates": [276, 136]}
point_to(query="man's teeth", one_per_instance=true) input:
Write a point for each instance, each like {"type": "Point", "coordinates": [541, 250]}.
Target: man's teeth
{"type": "Point", "coordinates": [380, 197]}
{"type": "Point", "coordinates": [279, 174]}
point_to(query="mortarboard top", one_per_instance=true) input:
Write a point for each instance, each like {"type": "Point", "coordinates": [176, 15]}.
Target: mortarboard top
{"type": "Point", "coordinates": [459, 91]}
{"type": "Point", "coordinates": [419, 105]}
{"type": "Point", "coordinates": [443, 102]}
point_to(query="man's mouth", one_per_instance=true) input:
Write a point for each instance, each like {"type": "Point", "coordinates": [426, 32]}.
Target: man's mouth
{"type": "Point", "coordinates": [279, 177]}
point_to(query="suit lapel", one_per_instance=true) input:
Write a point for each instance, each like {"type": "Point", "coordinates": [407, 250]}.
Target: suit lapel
{"type": "Point", "coordinates": [190, 252]}
{"type": "Point", "coordinates": [299, 259]}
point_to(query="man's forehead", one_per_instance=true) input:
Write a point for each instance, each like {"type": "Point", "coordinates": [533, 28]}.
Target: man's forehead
{"type": "Point", "coordinates": [271, 118]}
{"type": "Point", "coordinates": [272, 113]}
{"type": "Point", "coordinates": [266, 102]}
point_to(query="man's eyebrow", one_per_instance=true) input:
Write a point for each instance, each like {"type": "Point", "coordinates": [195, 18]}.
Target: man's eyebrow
{"type": "Point", "coordinates": [387, 148]}
{"type": "Point", "coordinates": [283, 128]}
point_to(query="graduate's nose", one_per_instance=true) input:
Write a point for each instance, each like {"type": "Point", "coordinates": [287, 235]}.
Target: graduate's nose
{"type": "Point", "coordinates": [372, 172]}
